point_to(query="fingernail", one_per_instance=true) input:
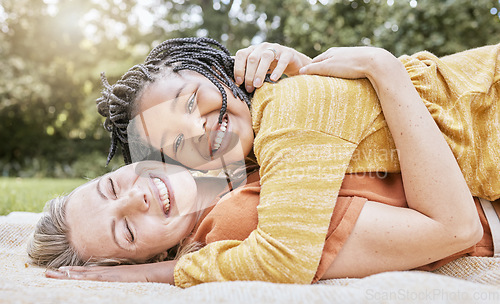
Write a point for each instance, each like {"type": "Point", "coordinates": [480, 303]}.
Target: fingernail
{"type": "Point", "coordinates": [249, 89]}
{"type": "Point", "coordinates": [274, 77]}
{"type": "Point", "coordinates": [302, 70]}
{"type": "Point", "coordinates": [52, 273]}
{"type": "Point", "coordinates": [239, 80]}
{"type": "Point", "coordinates": [257, 82]}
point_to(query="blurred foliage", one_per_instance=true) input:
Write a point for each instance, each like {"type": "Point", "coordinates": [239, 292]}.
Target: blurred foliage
{"type": "Point", "coordinates": [52, 52]}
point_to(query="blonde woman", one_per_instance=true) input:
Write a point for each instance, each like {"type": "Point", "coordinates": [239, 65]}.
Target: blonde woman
{"type": "Point", "coordinates": [294, 213]}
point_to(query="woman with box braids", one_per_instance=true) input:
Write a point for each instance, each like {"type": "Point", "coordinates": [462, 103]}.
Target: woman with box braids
{"type": "Point", "coordinates": [360, 110]}
{"type": "Point", "coordinates": [202, 55]}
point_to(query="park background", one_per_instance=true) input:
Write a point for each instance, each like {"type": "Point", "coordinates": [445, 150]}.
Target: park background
{"type": "Point", "coordinates": [53, 51]}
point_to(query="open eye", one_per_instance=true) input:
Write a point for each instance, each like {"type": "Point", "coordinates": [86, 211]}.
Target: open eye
{"type": "Point", "coordinates": [130, 236]}
{"type": "Point", "coordinates": [178, 142]}
{"type": "Point", "coordinates": [191, 103]}
{"type": "Point", "coordinates": [112, 185]}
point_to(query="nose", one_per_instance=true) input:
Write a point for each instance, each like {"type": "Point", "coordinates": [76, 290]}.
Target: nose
{"type": "Point", "coordinates": [133, 200]}
{"type": "Point", "coordinates": [197, 128]}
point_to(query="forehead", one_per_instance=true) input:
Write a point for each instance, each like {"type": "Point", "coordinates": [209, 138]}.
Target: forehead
{"type": "Point", "coordinates": [168, 87]}
{"type": "Point", "coordinates": [85, 220]}
{"type": "Point", "coordinates": [81, 199]}
{"type": "Point", "coordinates": [81, 194]}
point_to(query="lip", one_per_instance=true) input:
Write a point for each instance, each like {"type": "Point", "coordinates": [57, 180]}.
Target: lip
{"type": "Point", "coordinates": [171, 195]}
{"type": "Point", "coordinates": [213, 135]}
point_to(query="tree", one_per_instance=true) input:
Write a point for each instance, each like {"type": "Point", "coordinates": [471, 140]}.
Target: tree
{"type": "Point", "coordinates": [52, 52]}
{"type": "Point", "coordinates": [47, 88]}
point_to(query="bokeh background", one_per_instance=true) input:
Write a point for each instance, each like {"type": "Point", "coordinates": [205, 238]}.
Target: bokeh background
{"type": "Point", "coordinates": [52, 53]}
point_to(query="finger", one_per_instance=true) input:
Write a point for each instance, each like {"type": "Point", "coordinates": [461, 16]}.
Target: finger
{"type": "Point", "coordinates": [78, 275]}
{"type": "Point", "coordinates": [263, 67]}
{"type": "Point", "coordinates": [325, 55]}
{"type": "Point", "coordinates": [317, 68]}
{"type": "Point", "coordinates": [72, 268]}
{"type": "Point", "coordinates": [321, 57]}
{"type": "Point", "coordinates": [251, 68]}
{"type": "Point", "coordinates": [65, 275]}
{"type": "Point", "coordinates": [280, 68]}
{"type": "Point", "coordinates": [54, 274]}
{"type": "Point", "coordinates": [240, 62]}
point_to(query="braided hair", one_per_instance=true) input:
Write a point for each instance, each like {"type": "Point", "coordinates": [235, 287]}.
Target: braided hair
{"type": "Point", "coordinates": [202, 55]}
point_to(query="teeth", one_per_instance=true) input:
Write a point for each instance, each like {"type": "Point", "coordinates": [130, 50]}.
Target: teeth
{"type": "Point", "coordinates": [162, 189]}
{"type": "Point", "coordinates": [220, 136]}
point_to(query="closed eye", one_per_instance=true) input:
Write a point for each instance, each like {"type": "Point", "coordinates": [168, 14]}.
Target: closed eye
{"type": "Point", "coordinates": [112, 185]}
{"type": "Point", "coordinates": [130, 235]}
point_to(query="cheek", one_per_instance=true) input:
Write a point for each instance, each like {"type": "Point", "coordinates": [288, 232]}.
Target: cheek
{"type": "Point", "coordinates": [155, 239]}
{"type": "Point", "coordinates": [172, 235]}
{"type": "Point", "coordinates": [247, 141]}
{"type": "Point", "coordinates": [152, 125]}
{"type": "Point", "coordinates": [185, 226]}
{"type": "Point", "coordinates": [239, 110]}
{"type": "Point", "coordinates": [244, 126]}
{"type": "Point", "coordinates": [209, 99]}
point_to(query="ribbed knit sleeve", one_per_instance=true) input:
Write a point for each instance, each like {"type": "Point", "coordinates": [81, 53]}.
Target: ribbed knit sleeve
{"type": "Point", "coordinates": [307, 129]}
{"type": "Point", "coordinates": [311, 130]}
{"type": "Point", "coordinates": [462, 93]}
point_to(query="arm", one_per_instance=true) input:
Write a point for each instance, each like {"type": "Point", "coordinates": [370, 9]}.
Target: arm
{"type": "Point", "coordinates": [307, 131]}
{"type": "Point", "coordinates": [442, 219]}
{"type": "Point", "coordinates": [306, 134]}
{"type": "Point", "coordinates": [162, 272]}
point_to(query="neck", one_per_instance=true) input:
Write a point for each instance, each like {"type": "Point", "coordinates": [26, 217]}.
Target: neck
{"type": "Point", "coordinates": [208, 189]}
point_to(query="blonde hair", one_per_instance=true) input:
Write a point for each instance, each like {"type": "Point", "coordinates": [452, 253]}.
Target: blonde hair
{"type": "Point", "coordinates": [50, 246]}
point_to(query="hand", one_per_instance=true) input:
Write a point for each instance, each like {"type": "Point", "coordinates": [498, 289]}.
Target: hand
{"type": "Point", "coordinates": [254, 62]}
{"type": "Point", "coordinates": [347, 62]}
{"type": "Point", "coordinates": [153, 272]}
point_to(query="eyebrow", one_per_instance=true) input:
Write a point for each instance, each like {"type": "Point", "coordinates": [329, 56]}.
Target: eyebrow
{"type": "Point", "coordinates": [174, 102]}
{"type": "Point", "coordinates": [172, 108]}
{"type": "Point", "coordinates": [98, 188]}
{"type": "Point", "coordinates": [113, 234]}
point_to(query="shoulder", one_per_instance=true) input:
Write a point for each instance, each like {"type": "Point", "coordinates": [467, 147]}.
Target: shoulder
{"type": "Point", "coordinates": [287, 98]}
{"type": "Point", "coordinates": [290, 87]}
{"type": "Point", "coordinates": [309, 102]}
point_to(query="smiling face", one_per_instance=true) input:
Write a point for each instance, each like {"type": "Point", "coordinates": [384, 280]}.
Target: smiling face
{"type": "Point", "coordinates": [178, 113]}
{"type": "Point", "coordinates": [135, 212]}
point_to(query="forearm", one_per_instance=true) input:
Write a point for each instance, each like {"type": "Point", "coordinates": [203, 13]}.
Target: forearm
{"type": "Point", "coordinates": [442, 218]}
{"type": "Point", "coordinates": [434, 184]}
{"type": "Point", "coordinates": [162, 272]}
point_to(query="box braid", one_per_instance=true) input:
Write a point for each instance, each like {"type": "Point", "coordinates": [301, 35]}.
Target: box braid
{"type": "Point", "coordinates": [202, 55]}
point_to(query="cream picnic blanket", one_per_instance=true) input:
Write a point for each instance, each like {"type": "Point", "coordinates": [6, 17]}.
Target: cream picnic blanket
{"type": "Point", "coordinates": [467, 280]}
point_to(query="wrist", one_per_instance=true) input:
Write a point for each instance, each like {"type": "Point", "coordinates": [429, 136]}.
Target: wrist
{"type": "Point", "coordinates": [378, 63]}
{"type": "Point", "coordinates": [162, 272]}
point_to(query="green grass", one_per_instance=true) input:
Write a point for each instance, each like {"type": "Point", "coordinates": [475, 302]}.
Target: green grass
{"type": "Point", "coordinates": [31, 194]}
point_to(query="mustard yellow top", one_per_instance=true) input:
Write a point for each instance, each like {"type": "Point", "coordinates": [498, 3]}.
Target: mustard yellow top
{"type": "Point", "coordinates": [311, 130]}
